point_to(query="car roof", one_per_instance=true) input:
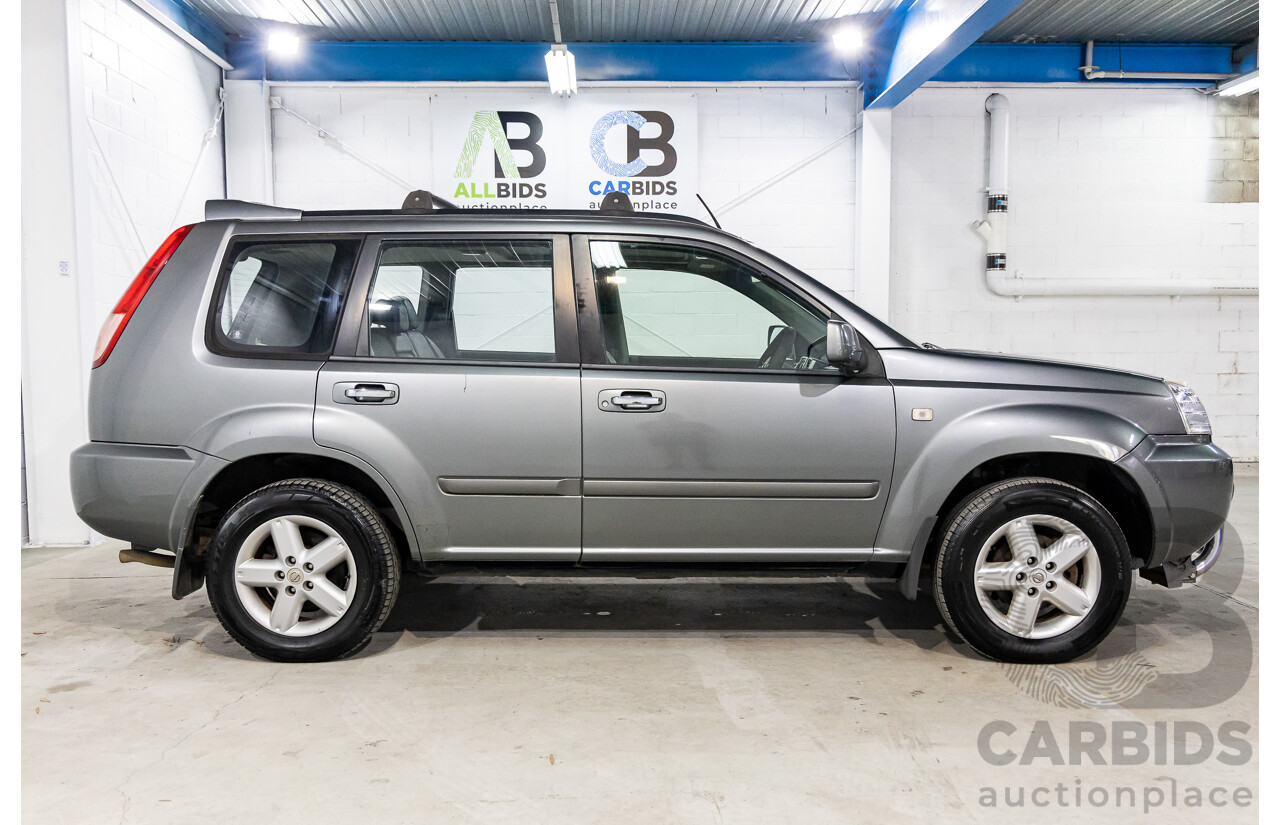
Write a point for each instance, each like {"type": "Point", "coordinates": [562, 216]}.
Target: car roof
{"type": "Point", "coordinates": [500, 212]}
{"type": "Point", "coordinates": [624, 214]}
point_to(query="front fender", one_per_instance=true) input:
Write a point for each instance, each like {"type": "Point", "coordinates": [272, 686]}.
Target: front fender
{"type": "Point", "coordinates": [933, 457]}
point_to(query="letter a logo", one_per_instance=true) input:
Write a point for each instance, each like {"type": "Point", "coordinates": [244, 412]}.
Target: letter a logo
{"type": "Point", "coordinates": [486, 124]}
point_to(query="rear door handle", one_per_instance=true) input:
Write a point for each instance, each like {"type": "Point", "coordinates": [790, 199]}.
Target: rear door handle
{"type": "Point", "coordinates": [632, 400]}
{"type": "Point", "coordinates": [362, 392]}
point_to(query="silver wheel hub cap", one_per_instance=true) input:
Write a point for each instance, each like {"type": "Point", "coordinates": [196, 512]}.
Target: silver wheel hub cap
{"type": "Point", "coordinates": [1037, 576]}
{"type": "Point", "coordinates": [295, 575]}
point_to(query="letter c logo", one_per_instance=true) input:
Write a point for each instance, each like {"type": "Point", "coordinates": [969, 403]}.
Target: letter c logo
{"type": "Point", "coordinates": [598, 154]}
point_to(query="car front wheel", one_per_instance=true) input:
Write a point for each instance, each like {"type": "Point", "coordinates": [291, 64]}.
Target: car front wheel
{"type": "Point", "coordinates": [1032, 570]}
{"type": "Point", "coordinates": [303, 570]}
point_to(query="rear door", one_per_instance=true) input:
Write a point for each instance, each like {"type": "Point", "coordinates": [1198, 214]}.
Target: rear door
{"type": "Point", "coordinates": [458, 380]}
{"type": "Point", "coordinates": [713, 429]}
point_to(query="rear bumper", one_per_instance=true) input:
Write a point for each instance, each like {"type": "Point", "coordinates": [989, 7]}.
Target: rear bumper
{"type": "Point", "coordinates": [1188, 485]}
{"type": "Point", "coordinates": [144, 494]}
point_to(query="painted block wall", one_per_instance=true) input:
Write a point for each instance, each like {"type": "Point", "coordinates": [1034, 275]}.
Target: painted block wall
{"type": "Point", "coordinates": [135, 104]}
{"type": "Point", "coordinates": [1104, 182]}
{"type": "Point", "coordinates": [149, 99]}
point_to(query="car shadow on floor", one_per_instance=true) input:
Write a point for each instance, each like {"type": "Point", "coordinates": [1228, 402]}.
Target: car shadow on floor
{"type": "Point", "coordinates": [444, 606]}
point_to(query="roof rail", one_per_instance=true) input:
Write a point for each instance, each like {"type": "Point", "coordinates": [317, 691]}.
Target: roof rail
{"type": "Point", "coordinates": [229, 210]}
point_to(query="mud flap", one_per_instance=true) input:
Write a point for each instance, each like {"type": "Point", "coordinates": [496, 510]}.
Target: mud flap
{"type": "Point", "coordinates": [909, 584]}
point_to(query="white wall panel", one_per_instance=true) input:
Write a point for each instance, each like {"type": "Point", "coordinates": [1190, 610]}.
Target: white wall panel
{"type": "Point", "coordinates": [150, 99]}
{"type": "Point", "coordinates": [1105, 182]}
{"type": "Point", "coordinates": [746, 135]}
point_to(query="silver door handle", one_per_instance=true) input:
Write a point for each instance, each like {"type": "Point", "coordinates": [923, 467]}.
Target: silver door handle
{"type": "Point", "coordinates": [635, 402]}
{"type": "Point", "coordinates": [629, 400]}
{"type": "Point", "coordinates": [367, 393]}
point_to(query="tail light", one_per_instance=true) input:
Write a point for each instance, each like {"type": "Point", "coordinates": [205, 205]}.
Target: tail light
{"type": "Point", "coordinates": [119, 317]}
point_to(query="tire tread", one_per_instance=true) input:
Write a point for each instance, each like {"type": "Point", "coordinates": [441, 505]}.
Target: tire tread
{"type": "Point", "coordinates": [384, 550]}
{"type": "Point", "coordinates": [959, 517]}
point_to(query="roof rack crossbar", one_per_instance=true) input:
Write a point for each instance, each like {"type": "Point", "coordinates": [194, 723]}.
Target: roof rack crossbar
{"type": "Point", "coordinates": [420, 202]}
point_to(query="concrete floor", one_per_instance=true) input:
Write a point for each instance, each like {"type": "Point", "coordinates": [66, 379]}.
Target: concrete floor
{"type": "Point", "coordinates": [617, 700]}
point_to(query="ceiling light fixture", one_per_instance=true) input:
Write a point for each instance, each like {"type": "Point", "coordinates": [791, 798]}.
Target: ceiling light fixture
{"type": "Point", "coordinates": [562, 72]}
{"type": "Point", "coordinates": [1242, 85]}
{"type": "Point", "coordinates": [283, 42]}
{"type": "Point", "coordinates": [847, 39]}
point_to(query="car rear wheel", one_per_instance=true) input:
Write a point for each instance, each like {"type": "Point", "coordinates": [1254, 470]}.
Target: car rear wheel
{"type": "Point", "coordinates": [303, 570]}
{"type": "Point", "coordinates": [1032, 570]}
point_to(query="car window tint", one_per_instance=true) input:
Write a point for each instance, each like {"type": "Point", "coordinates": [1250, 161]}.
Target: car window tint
{"type": "Point", "coordinates": [487, 300]}
{"type": "Point", "coordinates": [283, 297]}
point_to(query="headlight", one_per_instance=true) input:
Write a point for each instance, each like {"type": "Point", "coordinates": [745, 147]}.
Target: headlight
{"type": "Point", "coordinates": [1194, 416]}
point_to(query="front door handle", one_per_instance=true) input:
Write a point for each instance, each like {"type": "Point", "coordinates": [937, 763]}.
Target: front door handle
{"type": "Point", "coordinates": [632, 400]}
{"type": "Point", "coordinates": [362, 392]}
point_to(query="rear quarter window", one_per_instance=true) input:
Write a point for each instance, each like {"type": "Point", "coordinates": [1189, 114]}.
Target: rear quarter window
{"type": "Point", "coordinates": [281, 297]}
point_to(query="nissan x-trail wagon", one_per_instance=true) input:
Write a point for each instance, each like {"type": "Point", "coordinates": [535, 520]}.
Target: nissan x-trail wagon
{"type": "Point", "coordinates": [293, 408]}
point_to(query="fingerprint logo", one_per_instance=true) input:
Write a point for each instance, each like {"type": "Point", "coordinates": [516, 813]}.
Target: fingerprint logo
{"type": "Point", "coordinates": [596, 144]}
{"type": "Point", "coordinates": [1085, 685]}
{"type": "Point", "coordinates": [486, 125]}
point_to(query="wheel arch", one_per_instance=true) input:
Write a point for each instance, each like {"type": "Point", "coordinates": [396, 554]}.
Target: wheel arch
{"type": "Point", "coordinates": [938, 463]}
{"type": "Point", "coordinates": [238, 478]}
{"type": "Point", "coordinates": [1114, 489]}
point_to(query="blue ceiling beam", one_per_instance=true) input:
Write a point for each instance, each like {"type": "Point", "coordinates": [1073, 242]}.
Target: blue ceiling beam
{"type": "Point", "coordinates": [325, 61]}
{"type": "Point", "coordinates": [1061, 62]}
{"type": "Point", "coordinates": [190, 25]}
{"type": "Point", "coordinates": [335, 62]}
{"type": "Point", "coordinates": [919, 39]}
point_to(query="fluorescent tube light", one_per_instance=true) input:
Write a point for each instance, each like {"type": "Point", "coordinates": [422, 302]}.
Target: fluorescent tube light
{"type": "Point", "coordinates": [1242, 85]}
{"type": "Point", "coordinates": [562, 74]}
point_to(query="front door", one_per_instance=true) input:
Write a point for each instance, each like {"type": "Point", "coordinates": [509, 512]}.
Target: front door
{"type": "Point", "coordinates": [460, 384]}
{"type": "Point", "coordinates": [713, 428]}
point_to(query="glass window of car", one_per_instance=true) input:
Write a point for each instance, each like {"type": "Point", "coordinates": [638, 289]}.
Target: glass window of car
{"type": "Point", "coordinates": [487, 300]}
{"type": "Point", "coordinates": [283, 297]}
{"type": "Point", "coordinates": [670, 305]}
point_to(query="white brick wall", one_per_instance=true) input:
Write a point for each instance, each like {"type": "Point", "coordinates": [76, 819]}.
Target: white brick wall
{"type": "Point", "coordinates": [1104, 182]}
{"type": "Point", "coordinates": [149, 99]}
{"type": "Point", "coordinates": [745, 136]}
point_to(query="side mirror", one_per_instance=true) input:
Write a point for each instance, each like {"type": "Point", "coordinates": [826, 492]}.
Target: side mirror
{"type": "Point", "coordinates": [844, 348]}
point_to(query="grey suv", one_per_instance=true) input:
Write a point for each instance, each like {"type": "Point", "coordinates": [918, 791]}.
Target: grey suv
{"type": "Point", "coordinates": [292, 407]}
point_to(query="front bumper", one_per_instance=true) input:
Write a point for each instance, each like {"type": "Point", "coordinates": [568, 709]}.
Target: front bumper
{"type": "Point", "coordinates": [1188, 484]}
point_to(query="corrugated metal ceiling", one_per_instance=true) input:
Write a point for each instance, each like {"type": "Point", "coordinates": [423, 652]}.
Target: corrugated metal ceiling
{"type": "Point", "coordinates": [581, 21]}
{"type": "Point", "coordinates": [1130, 21]}
{"type": "Point", "coordinates": [1167, 21]}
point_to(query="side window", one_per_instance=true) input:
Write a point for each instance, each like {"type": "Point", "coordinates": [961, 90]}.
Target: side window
{"type": "Point", "coordinates": [669, 305]}
{"type": "Point", "coordinates": [283, 297]}
{"type": "Point", "coordinates": [485, 300]}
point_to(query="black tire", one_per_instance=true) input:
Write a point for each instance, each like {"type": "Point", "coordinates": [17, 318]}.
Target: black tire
{"type": "Point", "coordinates": [977, 518]}
{"type": "Point", "coordinates": [352, 517]}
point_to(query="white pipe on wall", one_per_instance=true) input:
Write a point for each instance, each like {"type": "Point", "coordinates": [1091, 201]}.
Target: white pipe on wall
{"type": "Point", "coordinates": [995, 231]}
{"type": "Point", "coordinates": [1091, 72]}
{"type": "Point", "coordinates": [1012, 286]}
